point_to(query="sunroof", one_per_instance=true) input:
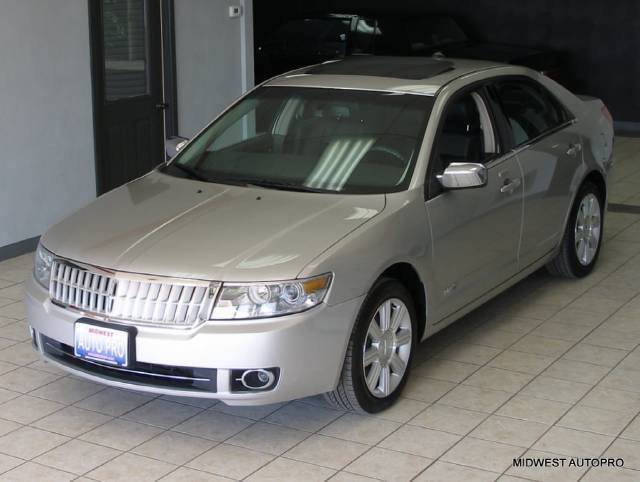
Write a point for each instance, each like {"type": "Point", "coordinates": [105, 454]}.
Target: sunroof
{"type": "Point", "coordinates": [415, 68]}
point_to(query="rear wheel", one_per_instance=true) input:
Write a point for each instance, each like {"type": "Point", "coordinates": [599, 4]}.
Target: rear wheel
{"type": "Point", "coordinates": [381, 346]}
{"type": "Point", "coordinates": [583, 236]}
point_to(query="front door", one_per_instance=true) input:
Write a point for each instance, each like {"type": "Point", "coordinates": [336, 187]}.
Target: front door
{"type": "Point", "coordinates": [128, 98]}
{"type": "Point", "coordinates": [475, 232]}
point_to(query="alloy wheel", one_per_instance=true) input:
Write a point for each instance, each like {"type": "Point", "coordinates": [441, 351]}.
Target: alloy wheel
{"type": "Point", "coordinates": [387, 348]}
{"type": "Point", "coordinates": [587, 229]}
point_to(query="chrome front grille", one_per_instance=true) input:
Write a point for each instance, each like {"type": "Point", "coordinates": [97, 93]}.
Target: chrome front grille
{"type": "Point", "coordinates": [132, 298]}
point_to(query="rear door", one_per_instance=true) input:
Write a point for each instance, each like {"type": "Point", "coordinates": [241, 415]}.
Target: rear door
{"type": "Point", "coordinates": [475, 232]}
{"type": "Point", "coordinates": [548, 147]}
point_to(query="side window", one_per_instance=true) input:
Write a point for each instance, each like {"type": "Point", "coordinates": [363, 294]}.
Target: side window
{"type": "Point", "coordinates": [529, 109]}
{"type": "Point", "coordinates": [465, 135]}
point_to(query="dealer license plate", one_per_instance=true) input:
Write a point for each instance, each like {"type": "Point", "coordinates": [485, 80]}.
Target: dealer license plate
{"type": "Point", "coordinates": [101, 344]}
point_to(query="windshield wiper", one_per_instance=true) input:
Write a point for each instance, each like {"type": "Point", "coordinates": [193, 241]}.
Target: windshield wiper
{"type": "Point", "coordinates": [281, 185]}
{"type": "Point", "coordinates": [193, 174]}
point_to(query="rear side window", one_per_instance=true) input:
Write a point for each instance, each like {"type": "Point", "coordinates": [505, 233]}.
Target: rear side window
{"type": "Point", "coordinates": [530, 110]}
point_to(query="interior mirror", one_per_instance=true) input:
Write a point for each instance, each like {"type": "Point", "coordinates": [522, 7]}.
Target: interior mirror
{"type": "Point", "coordinates": [463, 175]}
{"type": "Point", "coordinates": [173, 145]}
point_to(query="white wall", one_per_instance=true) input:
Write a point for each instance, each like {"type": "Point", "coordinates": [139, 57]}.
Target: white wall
{"type": "Point", "coordinates": [214, 59]}
{"type": "Point", "coordinates": [46, 125]}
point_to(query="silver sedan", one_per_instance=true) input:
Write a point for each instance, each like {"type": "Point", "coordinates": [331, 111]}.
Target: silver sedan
{"type": "Point", "coordinates": [307, 239]}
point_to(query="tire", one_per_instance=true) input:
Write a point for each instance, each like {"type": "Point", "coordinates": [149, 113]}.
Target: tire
{"type": "Point", "coordinates": [568, 263]}
{"type": "Point", "coordinates": [353, 393]}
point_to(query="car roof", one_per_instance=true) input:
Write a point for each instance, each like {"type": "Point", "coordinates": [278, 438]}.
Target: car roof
{"type": "Point", "coordinates": [417, 75]}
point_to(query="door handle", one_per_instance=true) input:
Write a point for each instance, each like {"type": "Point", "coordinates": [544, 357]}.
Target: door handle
{"type": "Point", "coordinates": [510, 185]}
{"type": "Point", "coordinates": [574, 149]}
{"type": "Point", "coordinates": [162, 106]}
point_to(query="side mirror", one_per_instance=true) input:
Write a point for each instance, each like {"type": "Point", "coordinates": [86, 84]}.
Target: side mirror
{"type": "Point", "coordinates": [173, 145]}
{"type": "Point", "coordinates": [463, 175]}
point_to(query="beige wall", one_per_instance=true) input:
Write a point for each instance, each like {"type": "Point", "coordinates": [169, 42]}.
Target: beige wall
{"type": "Point", "coordinates": [214, 59]}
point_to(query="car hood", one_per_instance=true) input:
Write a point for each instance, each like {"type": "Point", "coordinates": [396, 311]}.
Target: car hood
{"type": "Point", "coordinates": [170, 226]}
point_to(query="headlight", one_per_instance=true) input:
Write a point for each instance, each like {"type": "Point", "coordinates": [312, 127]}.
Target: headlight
{"type": "Point", "coordinates": [263, 300]}
{"type": "Point", "coordinates": [42, 266]}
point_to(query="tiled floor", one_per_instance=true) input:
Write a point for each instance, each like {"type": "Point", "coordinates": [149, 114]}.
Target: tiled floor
{"type": "Point", "coordinates": [551, 367]}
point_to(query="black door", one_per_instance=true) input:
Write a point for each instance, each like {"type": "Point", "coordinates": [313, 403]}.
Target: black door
{"type": "Point", "coordinates": [126, 41]}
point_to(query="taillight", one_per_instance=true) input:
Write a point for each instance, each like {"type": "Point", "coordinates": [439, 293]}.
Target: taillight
{"type": "Point", "coordinates": [607, 114]}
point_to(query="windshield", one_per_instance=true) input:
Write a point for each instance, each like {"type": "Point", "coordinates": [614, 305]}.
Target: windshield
{"type": "Point", "coordinates": [311, 139]}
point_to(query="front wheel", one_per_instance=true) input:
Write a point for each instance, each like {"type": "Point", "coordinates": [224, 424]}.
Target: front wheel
{"type": "Point", "coordinates": [380, 350]}
{"type": "Point", "coordinates": [583, 236]}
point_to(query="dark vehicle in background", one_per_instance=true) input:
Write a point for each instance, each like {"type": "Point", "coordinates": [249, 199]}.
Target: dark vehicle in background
{"type": "Point", "coordinates": [311, 40]}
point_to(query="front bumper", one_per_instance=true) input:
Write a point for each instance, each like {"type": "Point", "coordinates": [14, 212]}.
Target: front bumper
{"type": "Point", "coordinates": [308, 349]}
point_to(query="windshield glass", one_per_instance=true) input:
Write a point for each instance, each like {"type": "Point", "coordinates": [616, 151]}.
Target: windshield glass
{"type": "Point", "coordinates": [311, 139]}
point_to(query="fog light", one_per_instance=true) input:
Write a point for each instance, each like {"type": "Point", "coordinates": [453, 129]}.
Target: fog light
{"type": "Point", "coordinates": [254, 379]}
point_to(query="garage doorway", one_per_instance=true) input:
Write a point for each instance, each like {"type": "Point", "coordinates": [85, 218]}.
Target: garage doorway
{"type": "Point", "coordinates": [129, 98]}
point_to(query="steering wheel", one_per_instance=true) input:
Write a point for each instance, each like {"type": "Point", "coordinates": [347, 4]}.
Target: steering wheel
{"type": "Point", "coordinates": [389, 150]}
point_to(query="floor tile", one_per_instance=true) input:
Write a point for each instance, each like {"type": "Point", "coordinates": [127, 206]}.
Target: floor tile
{"type": "Point", "coordinates": [623, 379]}
{"type": "Point", "coordinates": [7, 426]}
{"type": "Point", "coordinates": [549, 473]}
{"type": "Point", "coordinates": [127, 468]}
{"type": "Point", "coordinates": [230, 461]}
{"type": "Point", "coordinates": [213, 425]}
{"type": "Point", "coordinates": [326, 451]}
{"type": "Point", "coordinates": [173, 447]}
{"type": "Point", "coordinates": [7, 462]}
{"type": "Point", "coordinates": [286, 470]}
{"type": "Point", "coordinates": [403, 410]}
{"type": "Point", "coordinates": [539, 345]}
{"type": "Point", "coordinates": [521, 362]}
{"type": "Point", "coordinates": [388, 465]}
{"type": "Point", "coordinates": [28, 442]}
{"type": "Point", "coordinates": [359, 428]}
{"type": "Point", "coordinates": [26, 409]}
{"type": "Point", "coordinates": [498, 379]}
{"type": "Point", "coordinates": [632, 432]}
{"type": "Point", "coordinates": [522, 433]}
{"type": "Point", "coordinates": [448, 419]}
{"type": "Point", "coordinates": [446, 472]}
{"type": "Point", "coordinates": [598, 355]}
{"type": "Point", "coordinates": [121, 434]}
{"type": "Point", "coordinates": [419, 441]}
{"type": "Point", "coordinates": [268, 438]}
{"type": "Point", "coordinates": [257, 412]}
{"type": "Point", "coordinates": [446, 370]}
{"type": "Point", "coordinates": [612, 399]}
{"type": "Point", "coordinates": [302, 416]}
{"type": "Point", "coordinates": [426, 389]}
{"type": "Point", "coordinates": [30, 472]}
{"type": "Point", "coordinates": [349, 477]}
{"type": "Point", "coordinates": [113, 401]}
{"type": "Point", "coordinates": [628, 450]}
{"type": "Point", "coordinates": [184, 474]}
{"type": "Point", "coordinates": [575, 443]}
{"type": "Point", "coordinates": [25, 379]}
{"type": "Point", "coordinates": [468, 353]}
{"type": "Point", "coordinates": [555, 389]}
{"type": "Point", "coordinates": [576, 371]}
{"type": "Point", "coordinates": [562, 331]}
{"type": "Point", "coordinates": [161, 413]}
{"type": "Point", "coordinates": [482, 454]}
{"type": "Point", "coordinates": [602, 474]}
{"type": "Point", "coordinates": [475, 398]}
{"type": "Point", "coordinates": [77, 457]}
{"type": "Point", "coordinates": [596, 420]}
{"type": "Point", "coordinates": [71, 421]}
{"type": "Point", "coordinates": [534, 409]}
{"type": "Point", "coordinates": [67, 390]}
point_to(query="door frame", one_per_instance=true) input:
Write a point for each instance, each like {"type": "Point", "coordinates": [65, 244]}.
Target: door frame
{"type": "Point", "coordinates": [168, 81]}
